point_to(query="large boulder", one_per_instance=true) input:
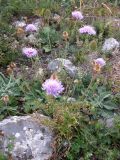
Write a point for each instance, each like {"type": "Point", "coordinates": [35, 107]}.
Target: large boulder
{"type": "Point", "coordinates": [110, 44]}
{"type": "Point", "coordinates": [60, 63]}
{"type": "Point", "coordinates": [24, 138]}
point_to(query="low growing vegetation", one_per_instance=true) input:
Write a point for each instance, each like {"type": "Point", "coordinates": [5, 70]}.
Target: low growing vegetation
{"type": "Point", "coordinates": [80, 101]}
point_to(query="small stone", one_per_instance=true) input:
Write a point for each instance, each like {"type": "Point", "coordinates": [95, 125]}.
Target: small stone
{"type": "Point", "coordinates": [110, 44]}
{"type": "Point", "coordinates": [71, 99]}
{"type": "Point", "coordinates": [18, 24]}
{"type": "Point", "coordinates": [55, 65]}
{"type": "Point", "coordinates": [56, 18]}
{"type": "Point", "coordinates": [59, 63]}
{"type": "Point", "coordinates": [31, 39]}
{"type": "Point", "coordinates": [38, 22]}
{"type": "Point", "coordinates": [109, 122]}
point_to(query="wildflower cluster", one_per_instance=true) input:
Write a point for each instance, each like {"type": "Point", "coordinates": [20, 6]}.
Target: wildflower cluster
{"type": "Point", "coordinates": [31, 28]}
{"type": "Point", "coordinates": [53, 87]}
{"type": "Point", "coordinates": [29, 52]}
{"type": "Point", "coordinates": [77, 15]}
{"type": "Point", "coordinates": [87, 30]}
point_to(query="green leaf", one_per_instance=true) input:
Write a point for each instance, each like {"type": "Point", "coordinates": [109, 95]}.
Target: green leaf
{"type": "Point", "coordinates": [46, 30]}
{"type": "Point", "coordinates": [110, 105]}
{"type": "Point", "coordinates": [47, 49]}
{"type": "Point", "coordinates": [107, 114]}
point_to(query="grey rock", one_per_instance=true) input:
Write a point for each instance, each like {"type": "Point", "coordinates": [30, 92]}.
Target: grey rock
{"type": "Point", "coordinates": [31, 39]}
{"type": "Point", "coordinates": [109, 122]}
{"type": "Point", "coordinates": [18, 24]}
{"type": "Point", "coordinates": [28, 138]}
{"type": "Point", "coordinates": [38, 22]}
{"type": "Point", "coordinates": [56, 18]}
{"type": "Point", "coordinates": [110, 44]}
{"type": "Point", "coordinates": [59, 63]}
{"type": "Point", "coordinates": [55, 65]}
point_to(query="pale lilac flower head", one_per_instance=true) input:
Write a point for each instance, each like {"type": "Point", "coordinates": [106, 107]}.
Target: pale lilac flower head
{"type": "Point", "coordinates": [29, 52]}
{"type": "Point", "coordinates": [101, 62]}
{"type": "Point", "coordinates": [31, 28]}
{"type": "Point", "coordinates": [53, 87]}
{"type": "Point", "coordinates": [87, 30]}
{"type": "Point", "coordinates": [77, 15]}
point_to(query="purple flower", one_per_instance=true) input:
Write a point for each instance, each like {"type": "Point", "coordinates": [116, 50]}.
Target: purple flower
{"type": "Point", "coordinates": [53, 87]}
{"type": "Point", "coordinates": [87, 30]}
{"type": "Point", "coordinates": [31, 28]}
{"type": "Point", "coordinates": [29, 52]}
{"type": "Point", "coordinates": [77, 15]}
{"type": "Point", "coordinates": [100, 61]}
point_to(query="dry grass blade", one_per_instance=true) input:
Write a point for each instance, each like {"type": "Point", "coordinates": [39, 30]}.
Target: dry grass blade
{"type": "Point", "coordinates": [105, 6]}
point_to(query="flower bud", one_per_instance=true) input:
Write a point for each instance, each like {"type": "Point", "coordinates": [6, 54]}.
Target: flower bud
{"type": "Point", "coordinates": [9, 70]}
{"type": "Point", "coordinates": [65, 35]}
{"type": "Point", "coordinates": [5, 99]}
{"type": "Point", "coordinates": [12, 65]}
{"type": "Point", "coordinates": [20, 31]}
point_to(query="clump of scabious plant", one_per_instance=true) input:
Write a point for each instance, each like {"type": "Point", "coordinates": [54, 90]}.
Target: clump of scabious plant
{"type": "Point", "coordinates": [29, 52]}
{"type": "Point", "coordinates": [87, 30]}
{"type": "Point", "coordinates": [53, 87]}
{"type": "Point", "coordinates": [77, 15]}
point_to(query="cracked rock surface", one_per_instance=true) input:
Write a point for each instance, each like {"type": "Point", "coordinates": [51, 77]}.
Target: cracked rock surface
{"type": "Point", "coordinates": [25, 139]}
